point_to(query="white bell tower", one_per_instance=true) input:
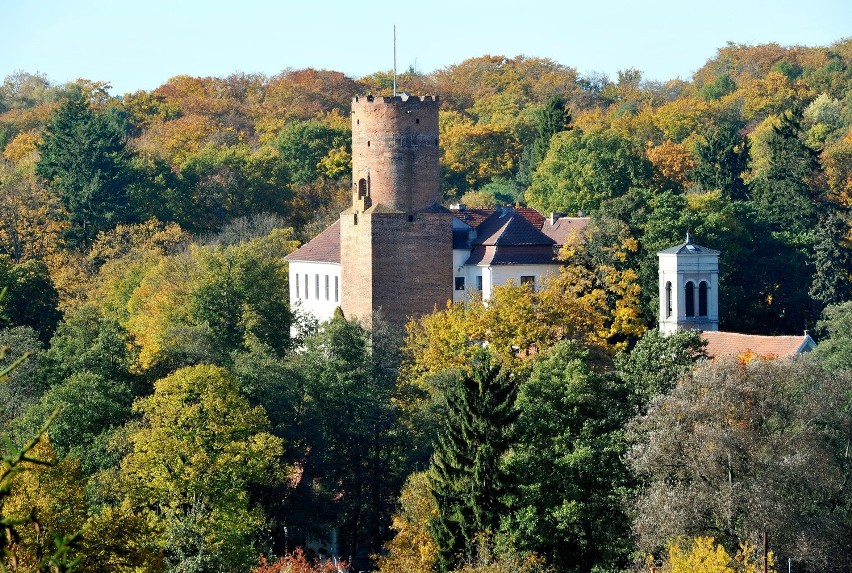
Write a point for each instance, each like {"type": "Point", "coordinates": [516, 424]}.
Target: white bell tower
{"type": "Point", "coordinates": [689, 287]}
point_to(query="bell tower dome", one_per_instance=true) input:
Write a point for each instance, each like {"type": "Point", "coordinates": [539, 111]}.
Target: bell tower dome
{"type": "Point", "coordinates": [689, 287]}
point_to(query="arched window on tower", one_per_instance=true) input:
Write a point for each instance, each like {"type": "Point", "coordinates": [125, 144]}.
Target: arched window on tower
{"type": "Point", "coordinates": [362, 188]}
{"type": "Point", "coordinates": [689, 298]}
{"type": "Point", "coordinates": [702, 298]}
{"type": "Point", "coordinates": [668, 299]}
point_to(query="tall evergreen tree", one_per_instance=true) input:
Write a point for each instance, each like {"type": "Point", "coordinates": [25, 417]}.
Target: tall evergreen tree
{"type": "Point", "coordinates": [550, 120]}
{"type": "Point", "coordinates": [831, 258]}
{"type": "Point", "coordinates": [85, 160]}
{"type": "Point", "coordinates": [783, 192]}
{"type": "Point", "coordinates": [465, 475]}
{"type": "Point", "coordinates": [722, 159]}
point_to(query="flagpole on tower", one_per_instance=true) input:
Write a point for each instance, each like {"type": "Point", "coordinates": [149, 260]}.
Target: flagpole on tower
{"type": "Point", "coordinates": [394, 60]}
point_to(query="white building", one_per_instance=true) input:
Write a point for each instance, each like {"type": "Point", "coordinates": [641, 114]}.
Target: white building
{"type": "Point", "coordinates": [491, 247]}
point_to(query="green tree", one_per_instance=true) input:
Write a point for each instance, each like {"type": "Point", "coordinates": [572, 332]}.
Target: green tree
{"type": "Point", "coordinates": [658, 361]}
{"type": "Point", "coordinates": [25, 384]}
{"type": "Point", "coordinates": [784, 192]}
{"type": "Point", "coordinates": [90, 408]}
{"type": "Point", "coordinates": [834, 351]}
{"type": "Point", "coordinates": [86, 162]}
{"type": "Point", "coordinates": [567, 465]}
{"type": "Point", "coordinates": [304, 144]}
{"type": "Point", "coordinates": [832, 261]}
{"type": "Point", "coordinates": [192, 464]}
{"type": "Point", "coordinates": [722, 159]}
{"type": "Point", "coordinates": [465, 476]}
{"type": "Point", "coordinates": [346, 437]}
{"type": "Point", "coordinates": [552, 119]}
{"type": "Point", "coordinates": [31, 299]}
{"type": "Point", "coordinates": [581, 170]}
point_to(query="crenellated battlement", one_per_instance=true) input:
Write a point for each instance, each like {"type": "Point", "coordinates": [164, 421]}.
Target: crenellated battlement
{"type": "Point", "coordinates": [394, 100]}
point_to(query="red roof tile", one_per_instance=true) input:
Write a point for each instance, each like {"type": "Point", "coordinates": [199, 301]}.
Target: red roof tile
{"type": "Point", "coordinates": [732, 343]}
{"type": "Point", "coordinates": [324, 248]}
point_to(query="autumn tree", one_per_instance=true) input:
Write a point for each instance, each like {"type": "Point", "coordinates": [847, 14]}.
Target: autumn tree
{"type": "Point", "coordinates": [86, 163]}
{"type": "Point", "coordinates": [465, 473]}
{"type": "Point", "coordinates": [191, 464]}
{"type": "Point", "coordinates": [412, 549]}
{"type": "Point", "coordinates": [736, 450]}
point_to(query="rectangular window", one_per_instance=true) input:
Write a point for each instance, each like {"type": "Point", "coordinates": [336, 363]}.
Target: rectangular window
{"type": "Point", "coordinates": [459, 283]}
{"type": "Point", "coordinates": [316, 286]}
{"type": "Point", "coordinates": [528, 280]}
{"type": "Point", "coordinates": [307, 288]}
{"type": "Point", "coordinates": [297, 286]}
{"type": "Point", "coordinates": [326, 288]}
{"type": "Point", "coordinates": [479, 282]}
{"type": "Point", "coordinates": [336, 289]}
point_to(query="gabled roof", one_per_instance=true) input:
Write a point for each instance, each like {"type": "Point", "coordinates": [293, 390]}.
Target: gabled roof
{"type": "Point", "coordinates": [509, 227]}
{"type": "Point", "coordinates": [563, 227]}
{"type": "Point", "coordinates": [733, 343]}
{"type": "Point", "coordinates": [324, 248]}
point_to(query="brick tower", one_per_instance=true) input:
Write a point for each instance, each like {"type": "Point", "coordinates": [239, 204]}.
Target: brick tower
{"type": "Point", "coordinates": [396, 239]}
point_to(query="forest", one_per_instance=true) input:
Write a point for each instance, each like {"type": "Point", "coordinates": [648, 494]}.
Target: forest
{"type": "Point", "coordinates": [164, 409]}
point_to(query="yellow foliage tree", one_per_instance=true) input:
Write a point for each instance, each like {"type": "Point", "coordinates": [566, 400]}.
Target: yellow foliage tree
{"type": "Point", "coordinates": [412, 549]}
{"type": "Point", "coordinates": [50, 494]}
{"type": "Point", "coordinates": [704, 555]}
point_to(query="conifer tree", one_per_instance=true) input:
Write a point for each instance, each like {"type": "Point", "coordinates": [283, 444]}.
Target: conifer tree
{"type": "Point", "coordinates": [85, 160]}
{"type": "Point", "coordinates": [722, 160]}
{"type": "Point", "coordinates": [465, 476]}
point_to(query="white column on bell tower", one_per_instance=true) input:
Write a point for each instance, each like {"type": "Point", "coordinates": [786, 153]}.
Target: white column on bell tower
{"type": "Point", "coordinates": [689, 287]}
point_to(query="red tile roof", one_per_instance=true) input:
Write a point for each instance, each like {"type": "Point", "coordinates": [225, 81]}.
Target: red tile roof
{"type": "Point", "coordinates": [563, 227]}
{"type": "Point", "coordinates": [732, 343]}
{"type": "Point", "coordinates": [324, 248]}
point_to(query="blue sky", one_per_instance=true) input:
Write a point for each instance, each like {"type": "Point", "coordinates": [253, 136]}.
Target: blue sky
{"type": "Point", "coordinates": [140, 45]}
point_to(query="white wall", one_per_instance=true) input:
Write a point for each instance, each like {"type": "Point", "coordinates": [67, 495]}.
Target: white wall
{"type": "Point", "coordinates": [321, 307]}
{"type": "Point", "coordinates": [497, 275]}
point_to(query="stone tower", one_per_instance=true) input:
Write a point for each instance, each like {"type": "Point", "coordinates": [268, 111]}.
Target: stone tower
{"type": "Point", "coordinates": [396, 239]}
{"type": "Point", "coordinates": [689, 287]}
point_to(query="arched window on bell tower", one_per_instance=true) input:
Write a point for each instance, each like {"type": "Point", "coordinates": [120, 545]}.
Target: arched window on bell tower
{"type": "Point", "coordinates": [702, 299]}
{"type": "Point", "coordinates": [689, 299]}
{"type": "Point", "coordinates": [668, 299]}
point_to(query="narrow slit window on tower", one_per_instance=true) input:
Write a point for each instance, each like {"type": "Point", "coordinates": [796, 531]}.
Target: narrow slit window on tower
{"type": "Point", "coordinates": [668, 299]}
{"type": "Point", "coordinates": [411, 218]}
{"type": "Point", "coordinates": [368, 144]}
{"type": "Point", "coordinates": [689, 298]}
{"type": "Point", "coordinates": [702, 298]}
{"type": "Point", "coordinates": [417, 120]}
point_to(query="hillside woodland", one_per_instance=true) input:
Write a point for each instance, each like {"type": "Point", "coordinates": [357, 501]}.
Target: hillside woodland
{"type": "Point", "coordinates": [164, 409]}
